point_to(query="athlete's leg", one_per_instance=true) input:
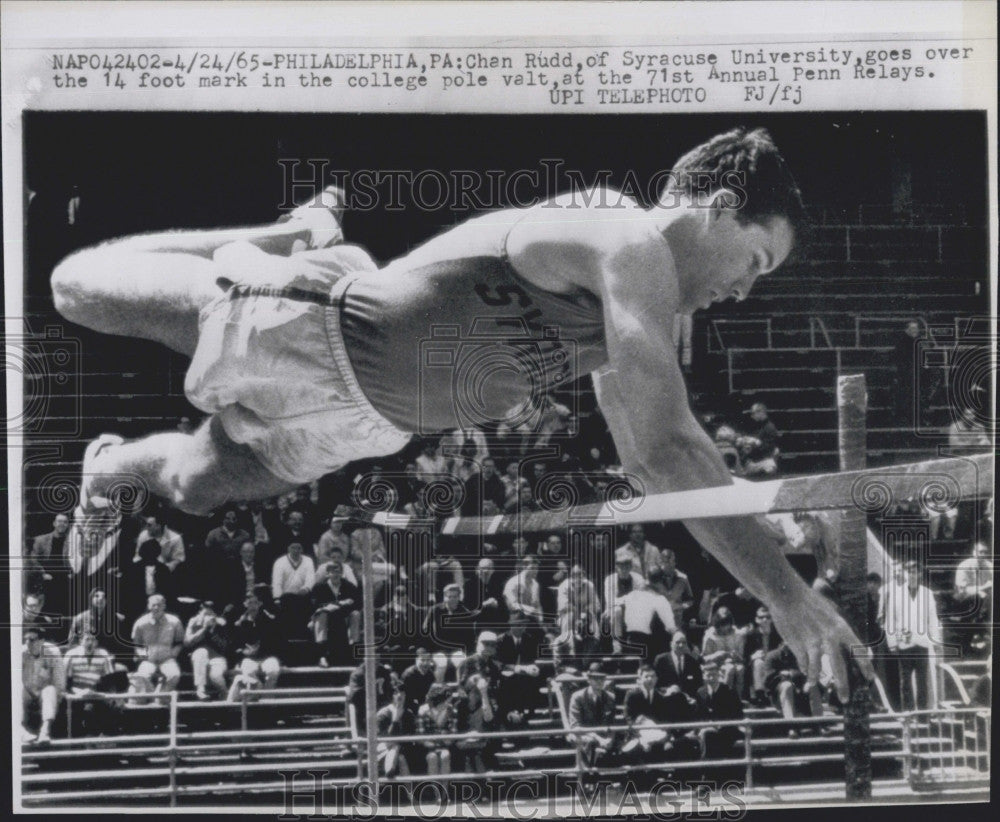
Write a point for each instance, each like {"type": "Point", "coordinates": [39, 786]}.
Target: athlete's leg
{"type": "Point", "coordinates": [197, 472]}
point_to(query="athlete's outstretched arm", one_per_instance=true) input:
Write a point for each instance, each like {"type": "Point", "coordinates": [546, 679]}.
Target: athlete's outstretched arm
{"type": "Point", "coordinates": [642, 394]}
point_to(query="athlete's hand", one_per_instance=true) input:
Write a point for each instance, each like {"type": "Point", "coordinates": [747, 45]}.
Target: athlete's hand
{"type": "Point", "coordinates": [812, 627]}
{"type": "Point", "coordinates": [321, 216]}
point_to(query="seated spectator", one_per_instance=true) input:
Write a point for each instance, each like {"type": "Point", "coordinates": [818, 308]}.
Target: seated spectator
{"type": "Point", "coordinates": [740, 603]}
{"type": "Point", "coordinates": [418, 678]}
{"type": "Point", "coordinates": [255, 640]}
{"type": "Point", "coordinates": [646, 619]}
{"type": "Point", "coordinates": [593, 707]}
{"type": "Point", "coordinates": [578, 613]}
{"type": "Point", "coordinates": [386, 684]}
{"type": "Point", "coordinates": [244, 575]}
{"type": "Point", "coordinates": [98, 620]}
{"type": "Point", "coordinates": [723, 645]}
{"type": "Point", "coordinates": [483, 592]}
{"type": "Point", "coordinates": [518, 653]}
{"type": "Point", "coordinates": [384, 574]}
{"type": "Point", "coordinates": [523, 500]}
{"type": "Point", "coordinates": [431, 578]}
{"type": "Point", "coordinates": [522, 591]}
{"type": "Point", "coordinates": [302, 504]}
{"type": "Point", "coordinates": [147, 577]}
{"type": "Point", "coordinates": [761, 640]}
{"type": "Point", "coordinates": [89, 670]}
{"type": "Point", "coordinates": [437, 716]}
{"type": "Point", "coordinates": [485, 493]}
{"type": "Point", "coordinates": [292, 578]}
{"type": "Point", "coordinates": [623, 581]}
{"type": "Point", "coordinates": [679, 667]}
{"type": "Point", "coordinates": [158, 638]}
{"type": "Point", "coordinates": [449, 625]}
{"type": "Point", "coordinates": [43, 684]}
{"type": "Point", "coordinates": [333, 537]}
{"type": "Point", "coordinates": [676, 585]}
{"type": "Point", "coordinates": [223, 543]}
{"type": "Point", "coordinates": [171, 544]}
{"type": "Point", "coordinates": [645, 705]}
{"type": "Point", "coordinates": [396, 719]}
{"type": "Point", "coordinates": [717, 703]}
{"type": "Point", "coordinates": [477, 712]}
{"type": "Point", "coordinates": [645, 556]}
{"type": "Point", "coordinates": [400, 623]}
{"type": "Point", "coordinates": [974, 583]}
{"type": "Point", "coordinates": [294, 530]}
{"type": "Point", "coordinates": [788, 688]}
{"type": "Point", "coordinates": [726, 438]}
{"type": "Point", "coordinates": [336, 618]}
{"type": "Point", "coordinates": [33, 617]}
{"type": "Point", "coordinates": [483, 663]}
{"type": "Point", "coordinates": [759, 449]}
{"type": "Point", "coordinates": [207, 641]}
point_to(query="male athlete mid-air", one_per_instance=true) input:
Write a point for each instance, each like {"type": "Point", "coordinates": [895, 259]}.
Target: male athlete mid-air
{"type": "Point", "coordinates": [312, 359]}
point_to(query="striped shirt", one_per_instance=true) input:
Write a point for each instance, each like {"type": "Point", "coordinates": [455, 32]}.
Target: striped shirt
{"type": "Point", "coordinates": [83, 670]}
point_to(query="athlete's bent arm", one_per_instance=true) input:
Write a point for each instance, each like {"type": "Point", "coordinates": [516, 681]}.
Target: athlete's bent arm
{"type": "Point", "coordinates": [644, 399]}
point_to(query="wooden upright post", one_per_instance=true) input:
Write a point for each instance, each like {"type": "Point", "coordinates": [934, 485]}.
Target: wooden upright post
{"type": "Point", "coordinates": [368, 644]}
{"type": "Point", "coordinates": [852, 404]}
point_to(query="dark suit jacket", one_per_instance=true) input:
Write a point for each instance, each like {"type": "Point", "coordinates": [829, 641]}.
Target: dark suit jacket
{"type": "Point", "coordinates": [666, 673]}
{"type": "Point", "coordinates": [474, 591]}
{"type": "Point", "coordinates": [755, 642]}
{"type": "Point", "coordinates": [450, 631]}
{"type": "Point", "coordinates": [722, 705]}
{"type": "Point", "coordinates": [235, 579]}
{"type": "Point", "coordinates": [638, 704]}
{"type": "Point", "coordinates": [587, 712]}
{"type": "Point", "coordinates": [525, 654]}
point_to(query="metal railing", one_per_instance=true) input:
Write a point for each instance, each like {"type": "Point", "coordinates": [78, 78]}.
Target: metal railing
{"type": "Point", "coordinates": [943, 746]}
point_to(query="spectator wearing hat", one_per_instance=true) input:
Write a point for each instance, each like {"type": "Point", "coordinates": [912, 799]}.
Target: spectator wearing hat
{"type": "Point", "coordinates": [336, 618]}
{"type": "Point", "coordinates": [255, 639]}
{"type": "Point", "coordinates": [717, 702]}
{"type": "Point", "coordinates": [593, 707]}
{"type": "Point", "coordinates": [437, 716]}
{"type": "Point", "coordinates": [158, 638]}
{"type": "Point", "coordinates": [483, 662]}
{"type": "Point", "coordinates": [646, 619]}
{"type": "Point", "coordinates": [43, 683]}
{"type": "Point", "coordinates": [207, 640]}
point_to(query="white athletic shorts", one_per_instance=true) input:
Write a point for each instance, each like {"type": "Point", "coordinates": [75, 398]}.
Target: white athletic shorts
{"type": "Point", "coordinates": [271, 362]}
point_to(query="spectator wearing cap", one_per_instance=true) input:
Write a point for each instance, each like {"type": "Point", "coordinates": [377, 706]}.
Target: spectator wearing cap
{"type": "Point", "coordinates": [593, 707]}
{"type": "Point", "coordinates": [418, 678]}
{"type": "Point", "coordinates": [43, 682]}
{"type": "Point", "coordinates": [483, 663]}
{"type": "Point", "coordinates": [336, 618]}
{"type": "Point", "coordinates": [717, 702]}
{"type": "Point", "coordinates": [207, 641]}
{"type": "Point", "coordinates": [158, 638]}
{"type": "Point", "coordinates": [646, 618]}
{"type": "Point", "coordinates": [437, 716]}
{"type": "Point", "coordinates": [449, 625]}
{"type": "Point", "coordinates": [518, 653]}
{"type": "Point", "coordinates": [255, 639]}
{"type": "Point", "coordinates": [171, 543]}
{"type": "Point", "coordinates": [622, 582]}
{"type": "Point", "coordinates": [292, 578]}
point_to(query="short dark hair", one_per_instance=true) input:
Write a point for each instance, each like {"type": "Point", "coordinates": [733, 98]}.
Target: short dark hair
{"type": "Point", "coordinates": [751, 160]}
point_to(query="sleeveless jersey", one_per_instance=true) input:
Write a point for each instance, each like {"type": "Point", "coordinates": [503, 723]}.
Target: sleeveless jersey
{"type": "Point", "coordinates": [451, 336]}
